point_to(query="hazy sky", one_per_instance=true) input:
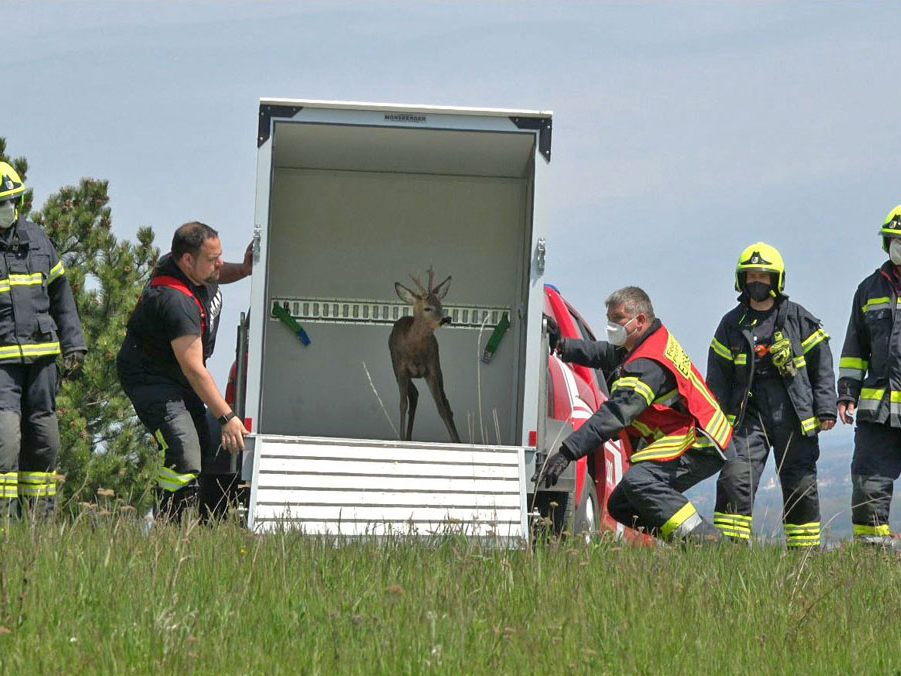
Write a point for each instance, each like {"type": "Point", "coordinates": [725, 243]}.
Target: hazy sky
{"type": "Point", "coordinates": [682, 131]}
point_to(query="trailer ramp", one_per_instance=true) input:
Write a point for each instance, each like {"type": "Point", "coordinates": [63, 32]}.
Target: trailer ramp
{"type": "Point", "coordinates": [372, 488]}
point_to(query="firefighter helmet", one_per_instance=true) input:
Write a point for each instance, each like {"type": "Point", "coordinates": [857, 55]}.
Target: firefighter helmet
{"type": "Point", "coordinates": [761, 257]}
{"type": "Point", "coordinates": [891, 227]}
{"type": "Point", "coordinates": [11, 186]}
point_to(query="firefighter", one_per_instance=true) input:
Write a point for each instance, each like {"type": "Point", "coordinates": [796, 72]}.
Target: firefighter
{"type": "Point", "coordinates": [870, 384]}
{"type": "Point", "coordinates": [770, 367]}
{"type": "Point", "coordinates": [678, 432]}
{"type": "Point", "coordinates": [38, 322]}
{"type": "Point", "coordinates": [162, 368]}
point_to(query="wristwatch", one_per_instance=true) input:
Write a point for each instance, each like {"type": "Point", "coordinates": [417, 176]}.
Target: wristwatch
{"type": "Point", "coordinates": [223, 419]}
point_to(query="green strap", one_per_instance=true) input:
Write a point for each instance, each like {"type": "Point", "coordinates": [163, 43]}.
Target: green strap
{"type": "Point", "coordinates": [496, 336]}
{"type": "Point", "coordinates": [285, 318]}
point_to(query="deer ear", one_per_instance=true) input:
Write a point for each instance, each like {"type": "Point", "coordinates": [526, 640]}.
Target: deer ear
{"type": "Point", "coordinates": [440, 291]}
{"type": "Point", "coordinates": [405, 293]}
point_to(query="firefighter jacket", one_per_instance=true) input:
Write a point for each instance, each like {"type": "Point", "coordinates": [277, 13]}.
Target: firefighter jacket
{"type": "Point", "coordinates": [870, 365]}
{"type": "Point", "coordinates": [657, 396]}
{"type": "Point", "coordinates": [730, 364]}
{"type": "Point", "coordinates": [38, 316]}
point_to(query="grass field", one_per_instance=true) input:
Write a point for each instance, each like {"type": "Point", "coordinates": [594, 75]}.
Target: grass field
{"type": "Point", "coordinates": [98, 595]}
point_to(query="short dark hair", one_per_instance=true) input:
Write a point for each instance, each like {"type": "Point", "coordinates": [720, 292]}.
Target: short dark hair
{"type": "Point", "coordinates": [190, 237]}
{"type": "Point", "coordinates": [633, 299]}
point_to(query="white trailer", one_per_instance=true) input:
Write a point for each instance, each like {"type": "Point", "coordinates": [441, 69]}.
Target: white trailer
{"type": "Point", "coordinates": [351, 198]}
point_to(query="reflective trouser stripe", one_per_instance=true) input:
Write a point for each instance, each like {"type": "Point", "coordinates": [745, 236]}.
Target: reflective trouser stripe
{"type": "Point", "coordinates": [169, 479]}
{"type": "Point", "coordinates": [861, 530]}
{"type": "Point", "coordinates": [37, 484]}
{"type": "Point", "coordinates": [802, 535]}
{"type": "Point", "coordinates": [8, 485]}
{"type": "Point", "coordinates": [733, 525]}
{"type": "Point", "coordinates": [681, 523]}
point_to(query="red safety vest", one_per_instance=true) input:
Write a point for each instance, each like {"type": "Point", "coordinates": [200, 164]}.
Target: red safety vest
{"type": "Point", "coordinates": [668, 432]}
{"type": "Point", "coordinates": [175, 283]}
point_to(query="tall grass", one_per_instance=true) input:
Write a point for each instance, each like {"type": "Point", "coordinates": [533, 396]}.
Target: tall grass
{"type": "Point", "coordinates": [101, 595]}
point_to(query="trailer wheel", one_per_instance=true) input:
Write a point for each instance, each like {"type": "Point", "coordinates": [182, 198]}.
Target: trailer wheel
{"type": "Point", "coordinates": [587, 518]}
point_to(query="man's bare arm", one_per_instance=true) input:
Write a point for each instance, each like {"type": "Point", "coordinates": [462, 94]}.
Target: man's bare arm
{"type": "Point", "coordinates": [189, 353]}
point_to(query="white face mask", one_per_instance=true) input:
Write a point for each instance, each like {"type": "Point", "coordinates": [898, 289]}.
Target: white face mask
{"type": "Point", "coordinates": [894, 251]}
{"type": "Point", "coordinates": [617, 333]}
{"type": "Point", "coordinates": [7, 214]}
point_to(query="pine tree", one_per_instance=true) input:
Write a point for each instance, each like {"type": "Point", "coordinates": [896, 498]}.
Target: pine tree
{"type": "Point", "coordinates": [103, 444]}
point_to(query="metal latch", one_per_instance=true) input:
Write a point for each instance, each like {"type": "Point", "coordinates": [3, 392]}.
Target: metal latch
{"type": "Point", "coordinates": [540, 251]}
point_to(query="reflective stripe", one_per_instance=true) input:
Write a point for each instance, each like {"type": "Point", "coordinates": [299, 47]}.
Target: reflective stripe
{"type": "Point", "coordinates": [813, 340]}
{"type": "Point", "coordinates": [170, 480]}
{"type": "Point", "coordinates": [718, 427]}
{"type": "Point", "coordinates": [29, 350]}
{"type": "Point", "coordinates": [852, 367]}
{"type": "Point", "coordinates": [161, 440]}
{"type": "Point", "coordinates": [800, 362]}
{"type": "Point", "coordinates": [682, 522]}
{"type": "Point", "coordinates": [870, 399]}
{"type": "Point", "coordinates": [668, 398]}
{"type": "Point", "coordinates": [34, 279]}
{"type": "Point", "coordinates": [733, 525]}
{"type": "Point", "coordinates": [666, 448]}
{"type": "Point", "coordinates": [810, 425]}
{"type": "Point", "coordinates": [741, 359]}
{"type": "Point", "coordinates": [8, 481]}
{"type": "Point", "coordinates": [636, 385]}
{"type": "Point", "coordinates": [721, 350]}
{"type": "Point", "coordinates": [802, 535]}
{"type": "Point", "coordinates": [37, 484]}
{"type": "Point", "coordinates": [56, 272]}
{"type": "Point", "coordinates": [882, 530]}
{"type": "Point", "coordinates": [872, 304]}
{"type": "Point", "coordinates": [731, 419]}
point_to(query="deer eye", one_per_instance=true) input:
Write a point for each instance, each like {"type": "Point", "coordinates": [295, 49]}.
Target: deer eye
{"type": "Point", "coordinates": [430, 309]}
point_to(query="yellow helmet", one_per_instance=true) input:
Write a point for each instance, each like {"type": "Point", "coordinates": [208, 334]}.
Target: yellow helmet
{"type": "Point", "coordinates": [761, 257]}
{"type": "Point", "coordinates": [891, 227]}
{"type": "Point", "coordinates": [11, 185]}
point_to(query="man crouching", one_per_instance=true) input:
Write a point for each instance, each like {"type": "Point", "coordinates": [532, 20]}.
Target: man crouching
{"type": "Point", "coordinates": [678, 432]}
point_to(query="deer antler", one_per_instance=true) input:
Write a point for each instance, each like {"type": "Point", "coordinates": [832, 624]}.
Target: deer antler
{"type": "Point", "coordinates": [418, 284]}
{"type": "Point", "coordinates": [431, 279]}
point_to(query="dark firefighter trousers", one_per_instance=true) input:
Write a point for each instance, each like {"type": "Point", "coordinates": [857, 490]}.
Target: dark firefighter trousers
{"type": "Point", "coordinates": [649, 496]}
{"type": "Point", "coordinates": [194, 469]}
{"type": "Point", "coordinates": [29, 437]}
{"type": "Point", "coordinates": [874, 468]}
{"type": "Point", "coordinates": [770, 423]}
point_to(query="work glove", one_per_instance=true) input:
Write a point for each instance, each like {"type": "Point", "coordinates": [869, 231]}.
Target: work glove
{"type": "Point", "coordinates": [555, 466]}
{"type": "Point", "coordinates": [781, 354]}
{"type": "Point", "coordinates": [553, 333]}
{"type": "Point", "coordinates": [72, 363]}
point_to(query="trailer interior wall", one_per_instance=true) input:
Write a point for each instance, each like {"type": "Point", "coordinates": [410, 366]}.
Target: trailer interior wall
{"type": "Point", "coordinates": [355, 209]}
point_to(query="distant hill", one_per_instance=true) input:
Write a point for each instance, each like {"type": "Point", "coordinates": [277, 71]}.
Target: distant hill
{"type": "Point", "coordinates": [834, 483]}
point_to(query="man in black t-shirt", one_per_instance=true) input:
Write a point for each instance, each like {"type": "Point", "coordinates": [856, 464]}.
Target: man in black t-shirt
{"type": "Point", "coordinates": [162, 361]}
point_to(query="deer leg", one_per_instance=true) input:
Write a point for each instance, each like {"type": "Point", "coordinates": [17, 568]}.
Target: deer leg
{"type": "Point", "coordinates": [403, 384]}
{"type": "Point", "coordinates": [413, 396]}
{"type": "Point", "coordinates": [436, 385]}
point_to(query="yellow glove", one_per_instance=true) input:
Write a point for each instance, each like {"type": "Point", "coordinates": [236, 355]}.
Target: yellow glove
{"type": "Point", "coordinates": [781, 354]}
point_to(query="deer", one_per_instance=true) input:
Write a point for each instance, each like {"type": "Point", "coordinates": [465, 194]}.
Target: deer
{"type": "Point", "coordinates": [414, 351]}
